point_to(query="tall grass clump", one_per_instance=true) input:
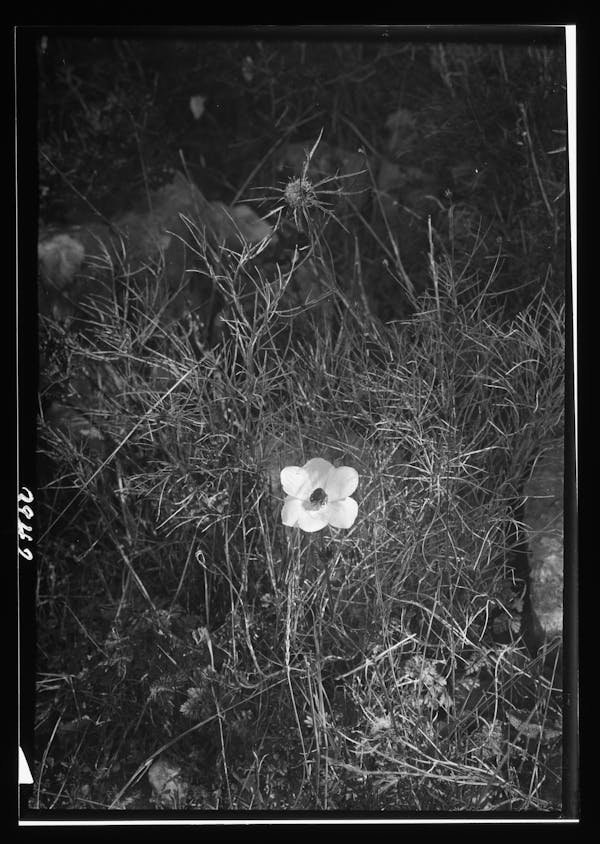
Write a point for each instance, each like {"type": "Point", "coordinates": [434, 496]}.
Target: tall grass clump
{"type": "Point", "coordinates": [383, 667]}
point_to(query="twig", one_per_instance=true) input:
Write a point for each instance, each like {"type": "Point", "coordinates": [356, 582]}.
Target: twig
{"type": "Point", "coordinates": [135, 575]}
{"type": "Point", "coordinates": [376, 659]}
{"type": "Point", "coordinates": [534, 161]}
{"type": "Point", "coordinates": [433, 266]}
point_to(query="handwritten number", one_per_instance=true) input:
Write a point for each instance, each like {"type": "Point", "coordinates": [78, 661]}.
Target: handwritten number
{"type": "Point", "coordinates": [23, 528]}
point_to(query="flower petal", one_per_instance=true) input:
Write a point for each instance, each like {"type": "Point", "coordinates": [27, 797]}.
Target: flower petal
{"type": "Point", "coordinates": [291, 510]}
{"type": "Point", "coordinates": [313, 520]}
{"type": "Point", "coordinates": [318, 471]}
{"type": "Point", "coordinates": [301, 481]}
{"type": "Point", "coordinates": [341, 514]}
{"type": "Point", "coordinates": [341, 483]}
{"type": "Point", "coordinates": [293, 479]}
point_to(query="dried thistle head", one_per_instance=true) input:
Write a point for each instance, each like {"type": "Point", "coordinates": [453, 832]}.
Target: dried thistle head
{"type": "Point", "coordinates": [299, 194]}
{"type": "Point", "coordinates": [302, 197]}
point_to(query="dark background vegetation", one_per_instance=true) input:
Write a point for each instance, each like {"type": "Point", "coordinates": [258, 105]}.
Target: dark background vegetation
{"type": "Point", "coordinates": [488, 119]}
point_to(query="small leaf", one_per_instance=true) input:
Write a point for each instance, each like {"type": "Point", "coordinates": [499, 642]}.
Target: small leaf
{"type": "Point", "coordinates": [197, 106]}
{"type": "Point", "coordinates": [532, 730]}
{"type": "Point", "coordinates": [248, 68]}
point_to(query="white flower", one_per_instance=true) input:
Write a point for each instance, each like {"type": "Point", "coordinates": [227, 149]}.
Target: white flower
{"type": "Point", "coordinates": [317, 495]}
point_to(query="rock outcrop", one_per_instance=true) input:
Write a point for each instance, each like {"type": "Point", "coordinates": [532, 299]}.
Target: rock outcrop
{"type": "Point", "coordinates": [544, 524]}
{"type": "Point", "coordinates": [177, 223]}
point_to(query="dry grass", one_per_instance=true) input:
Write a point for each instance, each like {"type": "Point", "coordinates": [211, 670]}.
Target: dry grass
{"type": "Point", "coordinates": [383, 667]}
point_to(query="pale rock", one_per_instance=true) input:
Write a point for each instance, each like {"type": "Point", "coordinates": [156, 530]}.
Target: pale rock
{"type": "Point", "coordinates": [544, 524]}
{"type": "Point", "coordinates": [60, 257]}
{"type": "Point", "coordinates": [180, 219]}
{"type": "Point", "coordinates": [239, 223]}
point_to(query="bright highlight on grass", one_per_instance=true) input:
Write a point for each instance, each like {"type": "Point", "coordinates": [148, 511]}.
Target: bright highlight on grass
{"type": "Point", "coordinates": [318, 494]}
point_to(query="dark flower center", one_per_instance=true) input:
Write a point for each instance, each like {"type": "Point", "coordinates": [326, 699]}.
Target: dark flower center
{"type": "Point", "coordinates": [318, 497]}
